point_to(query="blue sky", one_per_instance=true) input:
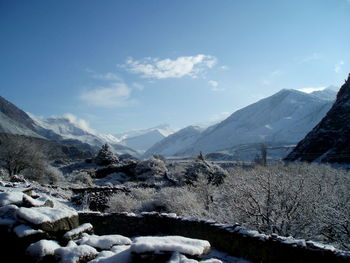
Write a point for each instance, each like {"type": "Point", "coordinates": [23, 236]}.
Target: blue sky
{"type": "Point", "coordinates": [124, 65]}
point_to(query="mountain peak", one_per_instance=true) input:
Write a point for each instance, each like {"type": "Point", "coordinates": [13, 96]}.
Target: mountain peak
{"type": "Point", "coordinates": [329, 139]}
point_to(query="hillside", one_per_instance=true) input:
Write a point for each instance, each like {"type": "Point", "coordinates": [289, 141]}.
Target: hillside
{"type": "Point", "coordinates": [329, 141]}
{"type": "Point", "coordinates": [279, 120]}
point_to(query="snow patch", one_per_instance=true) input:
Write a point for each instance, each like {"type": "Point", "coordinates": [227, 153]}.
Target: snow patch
{"type": "Point", "coordinates": [179, 244]}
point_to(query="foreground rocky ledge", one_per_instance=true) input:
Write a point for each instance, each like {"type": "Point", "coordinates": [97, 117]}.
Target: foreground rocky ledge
{"type": "Point", "coordinates": [38, 228]}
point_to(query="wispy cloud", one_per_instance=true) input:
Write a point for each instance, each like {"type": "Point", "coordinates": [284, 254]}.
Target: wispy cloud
{"type": "Point", "coordinates": [312, 57]}
{"type": "Point", "coordinates": [156, 68]}
{"type": "Point", "coordinates": [81, 123]}
{"type": "Point", "coordinates": [338, 66]}
{"type": "Point", "coordinates": [215, 85]}
{"type": "Point", "coordinates": [107, 76]}
{"type": "Point", "coordinates": [271, 77]}
{"type": "Point", "coordinates": [116, 94]}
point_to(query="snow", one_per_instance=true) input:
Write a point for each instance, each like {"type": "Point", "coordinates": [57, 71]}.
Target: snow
{"type": "Point", "coordinates": [176, 142]}
{"type": "Point", "coordinates": [121, 254]}
{"type": "Point", "coordinates": [11, 198]}
{"type": "Point", "coordinates": [42, 248]}
{"type": "Point", "coordinates": [104, 241]}
{"type": "Point", "coordinates": [35, 202]}
{"type": "Point", "coordinates": [76, 231]}
{"type": "Point", "coordinates": [24, 230]}
{"type": "Point", "coordinates": [179, 244]}
{"type": "Point", "coordinates": [39, 215]}
{"type": "Point", "coordinates": [9, 211]}
{"type": "Point", "coordinates": [320, 246]}
{"type": "Point", "coordinates": [251, 233]}
{"type": "Point", "coordinates": [285, 117]}
{"type": "Point", "coordinates": [73, 254]}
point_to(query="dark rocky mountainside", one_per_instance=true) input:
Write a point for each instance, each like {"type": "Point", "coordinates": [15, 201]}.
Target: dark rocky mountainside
{"type": "Point", "coordinates": [15, 113]}
{"type": "Point", "coordinates": [329, 141]}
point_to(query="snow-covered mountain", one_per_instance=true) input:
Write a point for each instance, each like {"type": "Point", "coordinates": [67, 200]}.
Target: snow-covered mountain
{"type": "Point", "coordinates": [142, 140]}
{"type": "Point", "coordinates": [15, 121]}
{"type": "Point", "coordinates": [69, 128]}
{"type": "Point", "coordinates": [281, 119]}
{"type": "Point", "coordinates": [329, 140]}
{"type": "Point", "coordinates": [176, 142]}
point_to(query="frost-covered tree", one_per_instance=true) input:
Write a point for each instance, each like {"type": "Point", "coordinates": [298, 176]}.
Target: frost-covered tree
{"type": "Point", "coordinates": [213, 173]}
{"type": "Point", "coordinates": [151, 169]}
{"type": "Point", "coordinates": [105, 156]}
{"type": "Point", "coordinates": [19, 154]}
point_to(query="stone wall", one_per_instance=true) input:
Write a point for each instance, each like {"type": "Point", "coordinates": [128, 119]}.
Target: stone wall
{"type": "Point", "coordinates": [233, 239]}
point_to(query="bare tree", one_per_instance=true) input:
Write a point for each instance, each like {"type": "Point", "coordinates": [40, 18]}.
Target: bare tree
{"type": "Point", "coordinates": [18, 154]}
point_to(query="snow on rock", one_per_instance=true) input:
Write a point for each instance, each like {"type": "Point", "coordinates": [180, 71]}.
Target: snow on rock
{"type": "Point", "coordinates": [9, 198]}
{"type": "Point", "coordinates": [8, 211]}
{"type": "Point", "coordinates": [105, 241]}
{"type": "Point", "coordinates": [49, 219]}
{"type": "Point", "coordinates": [77, 232]}
{"type": "Point", "coordinates": [120, 254]}
{"type": "Point", "coordinates": [178, 258]}
{"type": "Point", "coordinates": [42, 248]}
{"type": "Point", "coordinates": [41, 201]}
{"type": "Point", "coordinates": [74, 254]}
{"type": "Point", "coordinates": [179, 244]}
{"type": "Point", "coordinates": [24, 230]}
{"type": "Point", "coordinates": [317, 245]}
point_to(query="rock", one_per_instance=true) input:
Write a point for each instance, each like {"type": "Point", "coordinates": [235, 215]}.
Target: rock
{"type": "Point", "coordinates": [78, 232]}
{"type": "Point", "coordinates": [105, 241]}
{"type": "Point", "coordinates": [49, 219]}
{"type": "Point", "coordinates": [329, 141]}
{"type": "Point", "coordinates": [75, 254]}
{"type": "Point", "coordinates": [8, 198]}
{"type": "Point", "coordinates": [41, 250]}
{"type": "Point", "coordinates": [40, 202]}
{"type": "Point", "coordinates": [160, 244]}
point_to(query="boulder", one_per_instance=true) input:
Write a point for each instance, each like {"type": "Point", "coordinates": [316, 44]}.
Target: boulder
{"type": "Point", "coordinates": [49, 219]}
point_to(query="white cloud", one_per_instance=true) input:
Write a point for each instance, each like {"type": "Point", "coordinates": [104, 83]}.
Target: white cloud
{"type": "Point", "coordinates": [167, 68]}
{"type": "Point", "coordinates": [271, 77]}
{"type": "Point", "coordinates": [116, 94]}
{"type": "Point", "coordinates": [225, 67]}
{"type": "Point", "coordinates": [311, 89]}
{"type": "Point", "coordinates": [137, 86]}
{"type": "Point", "coordinates": [81, 123]}
{"type": "Point", "coordinates": [312, 57]}
{"type": "Point", "coordinates": [338, 67]}
{"type": "Point", "coordinates": [213, 83]}
{"type": "Point", "coordinates": [107, 76]}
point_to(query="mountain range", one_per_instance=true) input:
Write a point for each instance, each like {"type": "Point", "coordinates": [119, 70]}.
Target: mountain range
{"type": "Point", "coordinates": [282, 119]}
{"type": "Point", "coordinates": [279, 121]}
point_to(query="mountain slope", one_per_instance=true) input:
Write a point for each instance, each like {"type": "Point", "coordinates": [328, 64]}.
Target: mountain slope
{"type": "Point", "coordinates": [15, 121]}
{"type": "Point", "coordinates": [279, 120]}
{"type": "Point", "coordinates": [284, 117]}
{"type": "Point", "coordinates": [67, 130]}
{"type": "Point", "coordinates": [176, 142]}
{"type": "Point", "coordinates": [329, 141]}
{"type": "Point", "coordinates": [142, 140]}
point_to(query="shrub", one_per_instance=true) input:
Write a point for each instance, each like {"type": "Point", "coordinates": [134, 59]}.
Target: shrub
{"type": "Point", "coordinates": [200, 167]}
{"type": "Point", "coordinates": [105, 156]}
{"type": "Point", "coordinates": [153, 169]}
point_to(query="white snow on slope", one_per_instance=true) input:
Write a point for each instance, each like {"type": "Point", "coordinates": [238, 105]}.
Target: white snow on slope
{"type": "Point", "coordinates": [285, 117]}
{"type": "Point", "coordinates": [176, 143]}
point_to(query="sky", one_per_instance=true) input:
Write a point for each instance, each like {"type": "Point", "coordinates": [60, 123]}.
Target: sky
{"type": "Point", "coordinates": [124, 65]}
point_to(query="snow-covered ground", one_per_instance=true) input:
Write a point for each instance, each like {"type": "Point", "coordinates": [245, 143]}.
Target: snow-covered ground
{"type": "Point", "coordinates": [82, 244]}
